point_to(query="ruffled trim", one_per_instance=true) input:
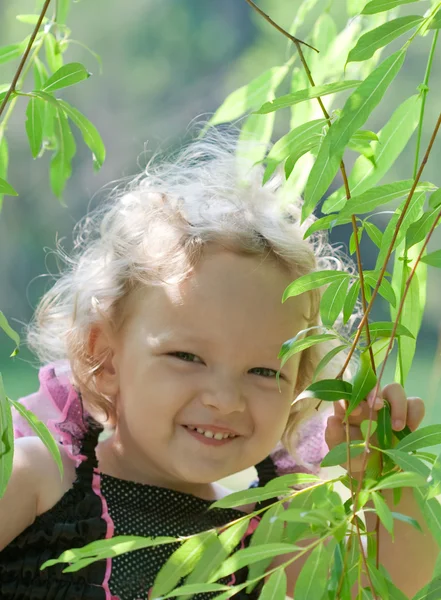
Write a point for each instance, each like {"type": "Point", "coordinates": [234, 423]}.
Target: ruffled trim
{"type": "Point", "coordinates": [57, 404]}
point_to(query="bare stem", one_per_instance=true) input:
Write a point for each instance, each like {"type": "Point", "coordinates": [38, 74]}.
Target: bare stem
{"type": "Point", "coordinates": [24, 58]}
{"type": "Point", "coordinates": [274, 24]}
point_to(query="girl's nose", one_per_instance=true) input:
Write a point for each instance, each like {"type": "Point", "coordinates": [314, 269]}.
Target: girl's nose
{"type": "Point", "coordinates": [225, 396]}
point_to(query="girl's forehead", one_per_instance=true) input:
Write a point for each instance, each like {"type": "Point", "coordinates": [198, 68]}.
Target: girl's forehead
{"type": "Point", "coordinates": [230, 291]}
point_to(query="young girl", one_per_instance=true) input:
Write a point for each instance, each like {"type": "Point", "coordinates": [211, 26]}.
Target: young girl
{"type": "Point", "coordinates": [168, 322]}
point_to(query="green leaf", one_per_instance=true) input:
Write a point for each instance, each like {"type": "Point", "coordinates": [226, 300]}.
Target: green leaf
{"type": "Point", "coordinates": [40, 74]}
{"type": "Point", "coordinates": [433, 259]}
{"type": "Point", "coordinates": [292, 347]}
{"type": "Point", "coordinates": [362, 102]}
{"type": "Point", "coordinates": [34, 124]}
{"type": "Point", "coordinates": [250, 496]}
{"type": "Point", "coordinates": [332, 301]}
{"type": "Point", "coordinates": [384, 427]}
{"type": "Point", "coordinates": [61, 167]}
{"type": "Point", "coordinates": [275, 587]}
{"type": "Point", "coordinates": [402, 479]}
{"type": "Point", "coordinates": [65, 76]}
{"type": "Point", "coordinates": [419, 230]}
{"type": "Point", "coordinates": [328, 358]}
{"type": "Point", "coordinates": [42, 431]}
{"type": "Point", "coordinates": [6, 188]}
{"type": "Point", "coordinates": [249, 97]}
{"type": "Point", "coordinates": [384, 329]}
{"type": "Point", "coordinates": [248, 556]}
{"type": "Point", "coordinates": [54, 56]}
{"type": "Point", "coordinates": [291, 480]}
{"type": "Point", "coordinates": [351, 300]}
{"type": "Point", "coordinates": [9, 332]}
{"type": "Point", "coordinates": [373, 232]}
{"type": "Point", "coordinates": [379, 37]}
{"type": "Point", "coordinates": [306, 94]}
{"type": "Point", "coordinates": [413, 213]}
{"type": "Point", "coordinates": [386, 290]}
{"type": "Point", "coordinates": [436, 21]}
{"type": "Point", "coordinates": [10, 52]}
{"type": "Point", "coordinates": [6, 440]}
{"type": "Point", "coordinates": [269, 531]}
{"type": "Point", "coordinates": [321, 175]}
{"type": "Point", "coordinates": [312, 581]}
{"type": "Point", "coordinates": [198, 588]}
{"type": "Point", "coordinates": [4, 160]}
{"type": "Point", "coordinates": [364, 381]}
{"type": "Point", "coordinates": [431, 510]}
{"type": "Point", "coordinates": [330, 390]}
{"type": "Point", "coordinates": [378, 196]}
{"type": "Point", "coordinates": [407, 462]}
{"type": "Point", "coordinates": [339, 454]}
{"type": "Point", "coordinates": [31, 19]}
{"type": "Point", "coordinates": [392, 140]}
{"type": "Point", "coordinates": [63, 7]}
{"type": "Point", "coordinates": [383, 512]}
{"type": "Point", "coordinates": [421, 438]}
{"type": "Point", "coordinates": [89, 132]}
{"type": "Point", "coordinates": [47, 98]}
{"type": "Point", "coordinates": [293, 145]}
{"type": "Point", "coordinates": [376, 6]}
{"type": "Point", "coordinates": [408, 520]}
{"type": "Point", "coordinates": [431, 591]}
{"type": "Point", "coordinates": [312, 281]}
{"type": "Point", "coordinates": [435, 198]}
{"type": "Point", "coordinates": [364, 427]}
{"type": "Point", "coordinates": [435, 478]}
{"type": "Point", "coordinates": [180, 563]}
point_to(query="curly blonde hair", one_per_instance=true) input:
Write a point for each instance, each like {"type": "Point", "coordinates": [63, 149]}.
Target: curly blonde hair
{"type": "Point", "coordinates": [153, 232]}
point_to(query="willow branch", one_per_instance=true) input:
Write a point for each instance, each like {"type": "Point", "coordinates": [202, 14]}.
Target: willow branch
{"type": "Point", "coordinates": [274, 24]}
{"type": "Point", "coordinates": [391, 246]}
{"type": "Point", "coordinates": [24, 58]}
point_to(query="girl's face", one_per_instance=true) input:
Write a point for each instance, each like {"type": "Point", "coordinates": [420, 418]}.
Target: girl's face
{"type": "Point", "coordinates": [202, 355]}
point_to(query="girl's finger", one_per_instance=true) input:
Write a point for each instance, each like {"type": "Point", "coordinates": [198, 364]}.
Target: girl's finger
{"type": "Point", "coordinates": [396, 396]}
{"type": "Point", "coordinates": [335, 432]}
{"type": "Point", "coordinates": [415, 412]}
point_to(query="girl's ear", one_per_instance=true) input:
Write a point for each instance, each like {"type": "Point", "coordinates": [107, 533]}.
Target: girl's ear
{"type": "Point", "coordinates": [102, 353]}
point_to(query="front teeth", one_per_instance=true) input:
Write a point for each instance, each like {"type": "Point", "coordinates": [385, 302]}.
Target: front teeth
{"type": "Point", "coordinates": [210, 434]}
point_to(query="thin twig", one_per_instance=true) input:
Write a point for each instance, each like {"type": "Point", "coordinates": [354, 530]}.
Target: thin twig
{"type": "Point", "coordinates": [25, 56]}
{"type": "Point", "coordinates": [391, 246]}
{"type": "Point", "coordinates": [282, 31]}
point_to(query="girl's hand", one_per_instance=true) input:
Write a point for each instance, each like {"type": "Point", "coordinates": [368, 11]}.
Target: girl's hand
{"type": "Point", "coordinates": [404, 411]}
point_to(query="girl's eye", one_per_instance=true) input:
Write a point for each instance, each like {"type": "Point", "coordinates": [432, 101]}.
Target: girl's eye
{"type": "Point", "coordinates": [185, 356]}
{"type": "Point", "coordinates": [264, 372]}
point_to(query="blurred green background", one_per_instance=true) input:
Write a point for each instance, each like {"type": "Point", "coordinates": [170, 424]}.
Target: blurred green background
{"type": "Point", "coordinates": [166, 63]}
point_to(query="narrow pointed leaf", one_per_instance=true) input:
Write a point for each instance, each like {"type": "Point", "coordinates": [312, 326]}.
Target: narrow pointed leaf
{"type": "Point", "coordinates": [421, 438]}
{"type": "Point", "coordinates": [42, 431]}
{"type": "Point", "coordinates": [364, 381]}
{"type": "Point", "coordinates": [248, 556]}
{"type": "Point", "coordinates": [407, 462]}
{"type": "Point", "coordinates": [269, 531]}
{"type": "Point", "coordinates": [376, 6]}
{"type": "Point", "coordinates": [330, 390]}
{"type": "Point", "coordinates": [34, 124]}
{"type": "Point", "coordinates": [249, 97]}
{"type": "Point", "coordinates": [379, 37]}
{"type": "Point", "coordinates": [431, 510]}
{"type": "Point", "coordinates": [312, 581]}
{"type": "Point", "coordinates": [312, 281]}
{"type": "Point", "coordinates": [290, 348]}
{"type": "Point", "coordinates": [362, 102]}
{"type": "Point", "coordinates": [89, 132]}
{"type": "Point", "coordinates": [9, 331]}
{"type": "Point", "coordinates": [419, 230]}
{"type": "Point", "coordinates": [6, 440]}
{"type": "Point", "coordinates": [351, 300]}
{"type": "Point", "coordinates": [6, 188]}
{"type": "Point", "coordinates": [339, 454]}
{"type": "Point", "coordinates": [392, 139]}
{"type": "Point", "coordinates": [250, 496]}
{"type": "Point", "coordinates": [332, 301]}
{"type": "Point", "coordinates": [61, 164]}
{"type": "Point", "coordinates": [373, 232]}
{"type": "Point", "coordinates": [433, 259]}
{"type": "Point", "coordinates": [384, 427]}
{"type": "Point", "coordinates": [328, 358]}
{"type": "Point", "coordinates": [65, 76]}
{"type": "Point", "coordinates": [384, 329]}
{"type": "Point", "coordinates": [403, 479]}
{"type": "Point", "coordinates": [383, 511]}
{"type": "Point", "coordinates": [9, 52]}
{"type": "Point", "coordinates": [306, 94]}
{"type": "Point", "coordinates": [275, 587]}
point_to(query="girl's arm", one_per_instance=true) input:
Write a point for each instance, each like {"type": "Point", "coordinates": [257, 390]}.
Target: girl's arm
{"type": "Point", "coordinates": [34, 487]}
